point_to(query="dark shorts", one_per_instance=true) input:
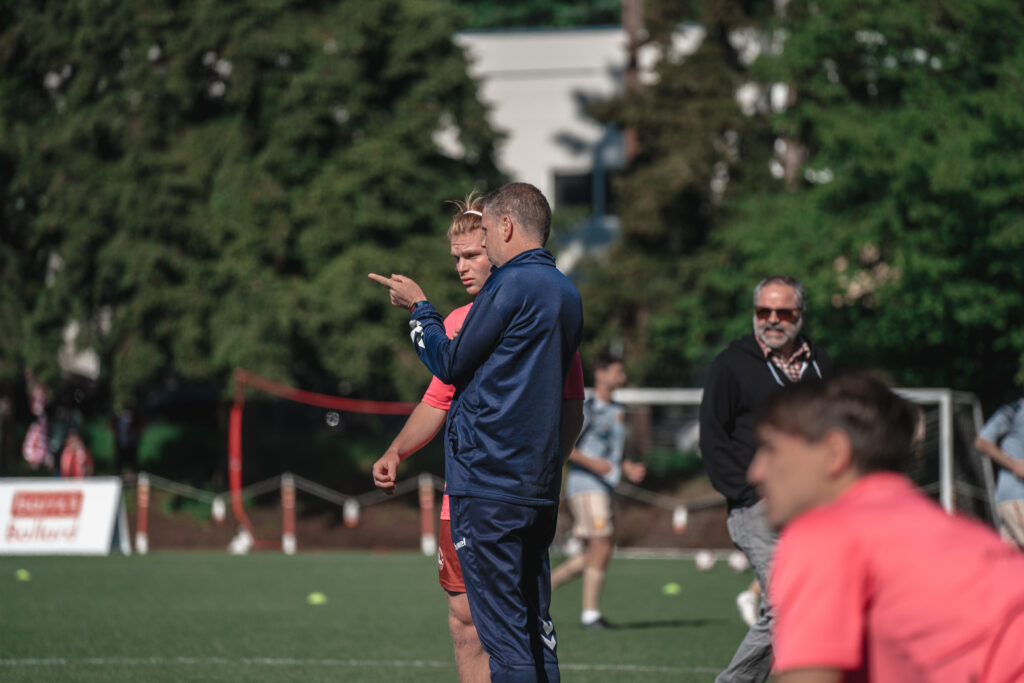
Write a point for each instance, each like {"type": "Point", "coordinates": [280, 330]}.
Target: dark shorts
{"type": "Point", "coordinates": [449, 571]}
{"type": "Point", "coordinates": [503, 550]}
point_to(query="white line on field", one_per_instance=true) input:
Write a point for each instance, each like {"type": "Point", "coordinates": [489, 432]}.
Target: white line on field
{"type": "Point", "coordinates": [270, 661]}
{"type": "Point", "coordinates": [284, 661]}
{"type": "Point", "coordinates": [639, 668]}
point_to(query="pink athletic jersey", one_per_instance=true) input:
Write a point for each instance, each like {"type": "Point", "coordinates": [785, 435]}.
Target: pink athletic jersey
{"type": "Point", "coordinates": [439, 395]}
{"type": "Point", "coordinates": [886, 586]}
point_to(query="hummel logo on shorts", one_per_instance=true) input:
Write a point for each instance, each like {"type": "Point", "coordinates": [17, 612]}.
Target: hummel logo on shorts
{"type": "Point", "coordinates": [548, 638]}
{"type": "Point", "coordinates": [461, 543]}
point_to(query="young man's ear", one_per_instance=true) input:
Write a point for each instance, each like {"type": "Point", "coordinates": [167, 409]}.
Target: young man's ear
{"type": "Point", "coordinates": [839, 451]}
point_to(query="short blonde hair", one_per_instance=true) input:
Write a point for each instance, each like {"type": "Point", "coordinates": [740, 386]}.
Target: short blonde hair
{"type": "Point", "coordinates": [464, 222]}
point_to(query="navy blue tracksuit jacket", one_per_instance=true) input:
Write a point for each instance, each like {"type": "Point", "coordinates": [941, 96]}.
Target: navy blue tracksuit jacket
{"type": "Point", "coordinates": [508, 365]}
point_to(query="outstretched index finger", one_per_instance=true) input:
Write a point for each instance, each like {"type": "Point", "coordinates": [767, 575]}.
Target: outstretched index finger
{"type": "Point", "coordinates": [386, 281]}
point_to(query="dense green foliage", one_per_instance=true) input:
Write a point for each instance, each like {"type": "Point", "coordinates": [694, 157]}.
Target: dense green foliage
{"type": "Point", "coordinates": [690, 132]}
{"type": "Point", "coordinates": [205, 185]}
{"type": "Point", "coordinates": [501, 14]}
{"type": "Point", "coordinates": [905, 219]}
{"type": "Point", "coordinates": [913, 250]}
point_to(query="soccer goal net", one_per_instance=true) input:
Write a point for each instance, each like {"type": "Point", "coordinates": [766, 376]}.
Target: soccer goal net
{"type": "Point", "coordinates": [947, 466]}
{"type": "Point", "coordinates": [664, 428]}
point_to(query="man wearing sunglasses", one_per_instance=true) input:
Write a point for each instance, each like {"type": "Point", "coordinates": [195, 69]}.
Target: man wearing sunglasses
{"type": "Point", "coordinates": [743, 378]}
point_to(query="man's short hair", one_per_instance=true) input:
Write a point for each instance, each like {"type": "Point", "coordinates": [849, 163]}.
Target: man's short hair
{"type": "Point", "coordinates": [881, 426]}
{"type": "Point", "coordinates": [798, 288]}
{"type": "Point", "coordinates": [606, 358]}
{"type": "Point", "coordinates": [526, 205]}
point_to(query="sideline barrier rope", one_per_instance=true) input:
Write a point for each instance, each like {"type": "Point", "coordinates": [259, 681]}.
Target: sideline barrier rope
{"type": "Point", "coordinates": [180, 489]}
{"type": "Point", "coordinates": [628, 490]}
{"type": "Point", "coordinates": [680, 508]}
{"type": "Point", "coordinates": [259, 488]}
{"type": "Point", "coordinates": [145, 481]}
{"type": "Point", "coordinates": [287, 483]}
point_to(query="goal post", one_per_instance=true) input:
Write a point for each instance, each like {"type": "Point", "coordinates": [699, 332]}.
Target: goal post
{"type": "Point", "coordinates": [965, 478]}
{"type": "Point", "coordinates": [947, 468]}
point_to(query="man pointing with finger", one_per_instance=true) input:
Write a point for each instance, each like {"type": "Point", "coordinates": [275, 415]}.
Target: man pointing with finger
{"type": "Point", "coordinates": [509, 429]}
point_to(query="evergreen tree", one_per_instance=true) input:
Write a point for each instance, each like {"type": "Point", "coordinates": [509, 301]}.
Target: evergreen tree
{"type": "Point", "coordinates": [908, 227]}
{"type": "Point", "coordinates": [205, 185]}
{"type": "Point", "coordinates": [697, 148]}
{"type": "Point", "coordinates": [894, 196]}
{"type": "Point", "coordinates": [499, 14]}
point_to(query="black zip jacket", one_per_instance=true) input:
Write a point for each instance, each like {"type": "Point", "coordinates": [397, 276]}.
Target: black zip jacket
{"type": "Point", "coordinates": [740, 382]}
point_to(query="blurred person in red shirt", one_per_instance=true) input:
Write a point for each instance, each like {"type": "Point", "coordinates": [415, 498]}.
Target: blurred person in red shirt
{"type": "Point", "coordinates": [75, 459]}
{"type": "Point", "coordinates": [871, 579]}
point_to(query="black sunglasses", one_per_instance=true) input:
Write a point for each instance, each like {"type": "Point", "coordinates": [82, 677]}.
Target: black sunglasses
{"type": "Point", "coordinates": [786, 315]}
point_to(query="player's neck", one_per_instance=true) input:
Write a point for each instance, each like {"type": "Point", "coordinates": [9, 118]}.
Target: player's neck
{"type": "Point", "coordinates": [517, 249]}
{"type": "Point", "coordinates": [840, 485]}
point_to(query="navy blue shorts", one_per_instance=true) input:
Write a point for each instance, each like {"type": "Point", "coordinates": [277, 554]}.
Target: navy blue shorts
{"type": "Point", "coordinates": [503, 550]}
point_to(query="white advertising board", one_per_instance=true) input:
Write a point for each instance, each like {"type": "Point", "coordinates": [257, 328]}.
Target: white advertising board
{"type": "Point", "coordinates": [58, 516]}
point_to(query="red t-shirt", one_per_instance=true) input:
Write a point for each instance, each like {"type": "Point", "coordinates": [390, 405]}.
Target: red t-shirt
{"type": "Point", "coordinates": [439, 395]}
{"type": "Point", "coordinates": [885, 585]}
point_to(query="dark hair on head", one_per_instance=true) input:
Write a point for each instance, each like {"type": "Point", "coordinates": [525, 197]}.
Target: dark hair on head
{"type": "Point", "coordinates": [526, 204]}
{"type": "Point", "coordinates": [796, 285]}
{"type": "Point", "coordinates": [463, 222]}
{"type": "Point", "coordinates": [881, 425]}
{"type": "Point", "coordinates": [606, 358]}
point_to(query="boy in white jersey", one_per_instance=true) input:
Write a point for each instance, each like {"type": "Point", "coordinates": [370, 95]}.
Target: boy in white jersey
{"type": "Point", "coordinates": [595, 467]}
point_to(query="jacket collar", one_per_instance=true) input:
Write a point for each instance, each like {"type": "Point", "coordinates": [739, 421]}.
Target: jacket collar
{"type": "Point", "coordinates": [539, 255]}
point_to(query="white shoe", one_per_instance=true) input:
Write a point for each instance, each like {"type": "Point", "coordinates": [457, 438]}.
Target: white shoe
{"type": "Point", "coordinates": [746, 602]}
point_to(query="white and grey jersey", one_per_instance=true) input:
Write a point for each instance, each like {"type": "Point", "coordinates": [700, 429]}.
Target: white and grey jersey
{"type": "Point", "coordinates": [603, 436]}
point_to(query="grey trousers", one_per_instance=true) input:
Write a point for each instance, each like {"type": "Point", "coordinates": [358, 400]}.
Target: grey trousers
{"type": "Point", "coordinates": [749, 530]}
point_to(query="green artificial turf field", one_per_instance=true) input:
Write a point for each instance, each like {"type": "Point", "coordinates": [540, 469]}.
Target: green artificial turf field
{"type": "Point", "coordinates": [215, 617]}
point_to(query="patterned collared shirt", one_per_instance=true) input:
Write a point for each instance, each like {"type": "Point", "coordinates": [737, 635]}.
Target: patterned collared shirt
{"type": "Point", "coordinates": [793, 366]}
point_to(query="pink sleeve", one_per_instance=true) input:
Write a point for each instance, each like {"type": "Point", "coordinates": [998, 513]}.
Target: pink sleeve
{"type": "Point", "coordinates": [439, 395]}
{"type": "Point", "coordinates": [818, 586]}
{"type": "Point", "coordinates": [574, 381]}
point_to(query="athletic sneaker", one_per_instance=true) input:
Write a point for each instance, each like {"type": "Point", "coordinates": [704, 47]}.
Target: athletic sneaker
{"type": "Point", "coordinates": [746, 602]}
{"type": "Point", "coordinates": [599, 624]}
